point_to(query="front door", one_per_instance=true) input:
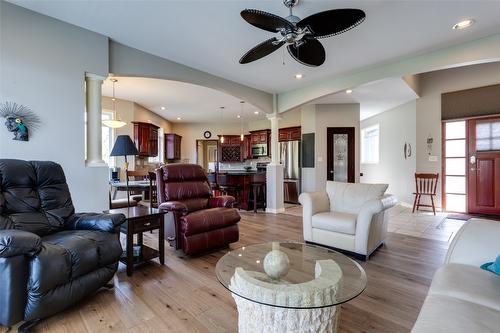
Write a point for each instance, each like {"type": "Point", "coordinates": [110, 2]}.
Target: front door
{"type": "Point", "coordinates": [484, 166]}
{"type": "Point", "coordinates": [340, 154]}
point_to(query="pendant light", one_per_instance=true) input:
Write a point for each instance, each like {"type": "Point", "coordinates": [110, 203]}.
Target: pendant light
{"type": "Point", "coordinates": [114, 123]}
{"type": "Point", "coordinates": [221, 121]}
{"type": "Point", "coordinates": [242, 137]}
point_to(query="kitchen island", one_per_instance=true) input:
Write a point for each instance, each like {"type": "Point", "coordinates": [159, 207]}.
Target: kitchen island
{"type": "Point", "coordinates": [238, 183]}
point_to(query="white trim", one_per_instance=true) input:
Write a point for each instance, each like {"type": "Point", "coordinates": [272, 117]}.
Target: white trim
{"type": "Point", "coordinates": [275, 211]}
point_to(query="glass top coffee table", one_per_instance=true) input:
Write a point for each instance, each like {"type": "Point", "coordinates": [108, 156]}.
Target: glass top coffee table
{"type": "Point", "coordinates": [285, 286]}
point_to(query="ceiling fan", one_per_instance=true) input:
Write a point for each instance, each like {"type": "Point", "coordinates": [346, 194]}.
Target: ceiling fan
{"type": "Point", "coordinates": [300, 36]}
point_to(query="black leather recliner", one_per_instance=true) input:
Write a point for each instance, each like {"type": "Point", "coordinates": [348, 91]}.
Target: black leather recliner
{"type": "Point", "coordinates": [50, 257]}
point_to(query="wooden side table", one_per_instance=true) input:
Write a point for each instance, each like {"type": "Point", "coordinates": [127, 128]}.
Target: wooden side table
{"type": "Point", "coordinates": [138, 220]}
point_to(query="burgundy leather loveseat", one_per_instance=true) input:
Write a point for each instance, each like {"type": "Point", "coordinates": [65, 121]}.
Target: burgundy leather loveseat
{"type": "Point", "coordinates": [200, 222]}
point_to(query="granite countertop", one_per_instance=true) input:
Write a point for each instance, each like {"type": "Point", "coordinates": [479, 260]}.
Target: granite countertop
{"type": "Point", "coordinates": [241, 172]}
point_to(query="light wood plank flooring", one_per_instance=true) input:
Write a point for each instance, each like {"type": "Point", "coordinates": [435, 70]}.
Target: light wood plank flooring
{"type": "Point", "coordinates": [184, 295]}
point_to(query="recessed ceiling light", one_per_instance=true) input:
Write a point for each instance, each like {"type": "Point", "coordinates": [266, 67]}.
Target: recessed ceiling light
{"type": "Point", "coordinates": [348, 91]}
{"type": "Point", "coordinates": [256, 112]}
{"type": "Point", "coordinates": [113, 99]}
{"type": "Point", "coordinates": [238, 116]}
{"type": "Point", "coordinates": [299, 76]}
{"type": "Point", "coordinates": [163, 108]}
{"type": "Point", "coordinates": [178, 118]}
{"type": "Point", "coordinates": [463, 24]}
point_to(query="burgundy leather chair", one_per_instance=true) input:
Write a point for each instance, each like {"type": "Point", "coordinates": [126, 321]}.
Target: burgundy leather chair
{"type": "Point", "coordinates": [201, 223]}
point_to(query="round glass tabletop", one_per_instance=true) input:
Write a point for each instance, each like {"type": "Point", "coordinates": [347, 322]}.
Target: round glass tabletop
{"type": "Point", "coordinates": [291, 275]}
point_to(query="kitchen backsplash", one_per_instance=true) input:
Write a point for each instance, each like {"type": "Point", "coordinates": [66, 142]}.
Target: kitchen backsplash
{"type": "Point", "coordinates": [241, 165]}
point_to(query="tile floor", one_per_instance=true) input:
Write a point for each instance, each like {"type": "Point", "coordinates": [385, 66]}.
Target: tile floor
{"type": "Point", "coordinates": [403, 221]}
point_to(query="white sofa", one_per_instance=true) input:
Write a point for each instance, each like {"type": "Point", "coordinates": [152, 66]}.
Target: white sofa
{"type": "Point", "coordinates": [347, 216]}
{"type": "Point", "coordinates": [462, 296]}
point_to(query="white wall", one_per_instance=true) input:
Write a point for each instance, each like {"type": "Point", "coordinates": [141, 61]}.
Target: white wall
{"type": "Point", "coordinates": [316, 119]}
{"type": "Point", "coordinates": [129, 111]}
{"type": "Point", "coordinates": [191, 132]}
{"type": "Point", "coordinates": [432, 85]}
{"type": "Point", "coordinates": [334, 115]}
{"type": "Point", "coordinates": [397, 127]}
{"type": "Point", "coordinates": [42, 65]}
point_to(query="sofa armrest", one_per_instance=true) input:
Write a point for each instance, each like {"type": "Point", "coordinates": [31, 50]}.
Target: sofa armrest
{"type": "Point", "coordinates": [95, 221]}
{"type": "Point", "coordinates": [173, 206]}
{"type": "Point", "coordinates": [312, 203]}
{"type": "Point", "coordinates": [222, 201]}
{"type": "Point", "coordinates": [17, 242]}
{"type": "Point", "coordinates": [371, 212]}
{"type": "Point", "coordinates": [477, 242]}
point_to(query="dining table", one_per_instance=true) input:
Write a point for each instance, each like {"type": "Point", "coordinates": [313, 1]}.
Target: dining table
{"type": "Point", "coordinates": [133, 185]}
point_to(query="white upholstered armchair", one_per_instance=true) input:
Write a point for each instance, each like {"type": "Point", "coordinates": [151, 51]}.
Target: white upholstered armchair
{"type": "Point", "coordinates": [346, 216]}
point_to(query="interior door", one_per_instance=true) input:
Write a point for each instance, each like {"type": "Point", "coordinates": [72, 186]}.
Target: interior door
{"type": "Point", "coordinates": [340, 154]}
{"type": "Point", "coordinates": [484, 166]}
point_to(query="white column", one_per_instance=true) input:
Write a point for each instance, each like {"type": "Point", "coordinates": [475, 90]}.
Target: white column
{"type": "Point", "coordinates": [93, 93]}
{"type": "Point", "coordinates": [274, 189]}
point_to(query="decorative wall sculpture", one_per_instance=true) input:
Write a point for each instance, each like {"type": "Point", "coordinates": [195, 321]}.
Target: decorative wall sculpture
{"type": "Point", "coordinates": [19, 120]}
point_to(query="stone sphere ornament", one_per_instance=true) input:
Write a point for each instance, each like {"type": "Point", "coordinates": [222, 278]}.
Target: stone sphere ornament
{"type": "Point", "coordinates": [276, 263]}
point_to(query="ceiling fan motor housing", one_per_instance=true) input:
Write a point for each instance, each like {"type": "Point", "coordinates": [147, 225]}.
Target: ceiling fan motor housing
{"type": "Point", "coordinates": [290, 3]}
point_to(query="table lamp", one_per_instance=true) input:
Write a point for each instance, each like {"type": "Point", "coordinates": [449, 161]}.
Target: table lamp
{"type": "Point", "coordinates": [124, 146]}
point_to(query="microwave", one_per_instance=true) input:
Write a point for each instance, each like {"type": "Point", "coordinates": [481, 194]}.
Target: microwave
{"type": "Point", "coordinates": [259, 149]}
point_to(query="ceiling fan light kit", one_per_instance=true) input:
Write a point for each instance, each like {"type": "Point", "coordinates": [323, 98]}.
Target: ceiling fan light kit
{"type": "Point", "coordinates": [300, 35]}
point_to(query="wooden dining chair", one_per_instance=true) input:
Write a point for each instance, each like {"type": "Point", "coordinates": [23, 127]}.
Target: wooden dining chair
{"type": "Point", "coordinates": [136, 175]}
{"type": "Point", "coordinates": [425, 185]}
{"type": "Point", "coordinates": [153, 195]}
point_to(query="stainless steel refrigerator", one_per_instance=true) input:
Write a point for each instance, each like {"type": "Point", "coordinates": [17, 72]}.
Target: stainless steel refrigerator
{"type": "Point", "coordinates": [290, 158]}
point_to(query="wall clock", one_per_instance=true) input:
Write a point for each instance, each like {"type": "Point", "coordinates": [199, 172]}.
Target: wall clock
{"type": "Point", "coordinates": [207, 134]}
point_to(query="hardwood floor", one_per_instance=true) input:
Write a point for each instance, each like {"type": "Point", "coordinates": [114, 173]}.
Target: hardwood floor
{"type": "Point", "coordinates": [184, 295]}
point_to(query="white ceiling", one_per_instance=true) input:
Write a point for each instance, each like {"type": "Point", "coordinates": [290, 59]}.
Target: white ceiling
{"type": "Point", "coordinates": [374, 97]}
{"type": "Point", "coordinates": [211, 36]}
{"type": "Point", "coordinates": [192, 103]}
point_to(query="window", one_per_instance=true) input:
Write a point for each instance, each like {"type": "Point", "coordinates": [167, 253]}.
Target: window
{"type": "Point", "coordinates": [107, 139]}
{"type": "Point", "coordinates": [455, 166]}
{"type": "Point", "coordinates": [487, 135]}
{"type": "Point", "coordinates": [370, 141]}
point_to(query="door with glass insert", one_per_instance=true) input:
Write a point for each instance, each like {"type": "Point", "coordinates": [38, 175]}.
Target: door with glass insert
{"type": "Point", "coordinates": [340, 155]}
{"type": "Point", "coordinates": [484, 166]}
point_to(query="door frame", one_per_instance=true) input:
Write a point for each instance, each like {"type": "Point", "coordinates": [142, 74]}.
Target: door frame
{"type": "Point", "coordinates": [472, 176]}
{"type": "Point", "coordinates": [351, 145]}
{"type": "Point", "coordinates": [467, 159]}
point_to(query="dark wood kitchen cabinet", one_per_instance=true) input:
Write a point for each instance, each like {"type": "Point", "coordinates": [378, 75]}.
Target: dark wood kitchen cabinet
{"type": "Point", "coordinates": [261, 136]}
{"type": "Point", "coordinates": [146, 138]}
{"type": "Point", "coordinates": [172, 146]}
{"type": "Point", "coordinates": [289, 134]}
{"type": "Point", "coordinates": [231, 150]}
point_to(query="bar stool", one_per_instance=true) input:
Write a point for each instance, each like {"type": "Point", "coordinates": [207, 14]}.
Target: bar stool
{"type": "Point", "coordinates": [212, 181]}
{"type": "Point", "coordinates": [229, 187]}
{"type": "Point", "coordinates": [258, 191]}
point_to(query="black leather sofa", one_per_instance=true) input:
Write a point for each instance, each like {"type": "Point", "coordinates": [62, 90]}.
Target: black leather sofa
{"type": "Point", "coordinates": [50, 257]}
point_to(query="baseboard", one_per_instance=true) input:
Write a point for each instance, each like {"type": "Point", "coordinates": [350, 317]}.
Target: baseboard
{"type": "Point", "coordinates": [275, 210]}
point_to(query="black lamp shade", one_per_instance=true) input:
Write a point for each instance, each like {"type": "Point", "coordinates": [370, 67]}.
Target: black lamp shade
{"type": "Point", "coordinates": [124, 146]}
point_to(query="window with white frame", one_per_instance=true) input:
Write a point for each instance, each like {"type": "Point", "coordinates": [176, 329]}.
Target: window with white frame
{"type": "Point", "coordinates": [107, 139]}
{"type": "Point", "coordinates": [370, 140]}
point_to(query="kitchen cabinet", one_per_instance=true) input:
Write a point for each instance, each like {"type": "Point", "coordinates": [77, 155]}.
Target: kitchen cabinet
{"type": "Point", "coordinates": [172, 146]}
{"type": "Point", "coordinates": [289, 134]}
{"type": "Point", "coordinates": [247, 147]}
{"type": "Point", "coordinates": [231, 150]}
{"type": "Point", "coordinates": [146, 139]}
{"type": "Point", "coordinates": [261, 136]}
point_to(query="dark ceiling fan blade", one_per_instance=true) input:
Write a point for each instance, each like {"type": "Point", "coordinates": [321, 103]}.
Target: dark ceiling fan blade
{"type": "Point", "coordinates": [332, 22]}
{"type": "Point", "coordinates": [266, 21]}
{"type": "Point", "coordinates": [310, 53]}
{"type": "Point", "coordinates": [261, 50]}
